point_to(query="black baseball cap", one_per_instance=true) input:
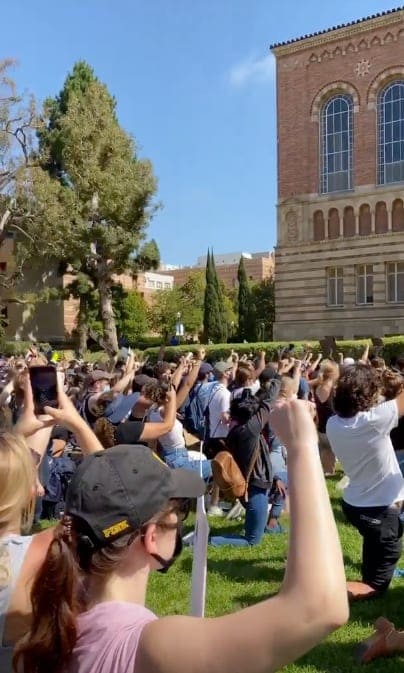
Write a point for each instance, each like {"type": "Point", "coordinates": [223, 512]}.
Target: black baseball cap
{"type": "Point", "coordinates": [118, 490]}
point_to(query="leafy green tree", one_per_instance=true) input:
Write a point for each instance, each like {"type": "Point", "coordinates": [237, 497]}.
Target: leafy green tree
{"type": "Point", "coordinates": [131, 313]}
{"type": "Point", "coordinates": [90, 200]}
{"type": "Point", "coordinates": [163, 312]}
{"type": "Point", "coordinates": [191, 302]}
{"type": "Point", "coordinates": [264, 299]}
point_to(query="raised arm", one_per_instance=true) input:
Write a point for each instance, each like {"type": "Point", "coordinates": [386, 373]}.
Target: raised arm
{"type": "Point", "coordinates": [311, 603]}
{"type": "Point", "coordinates": [191, 379]}
{"type": "Point", "coordinates": [155, 430]}
{"type": "Point", "coordinates": [261, 365]}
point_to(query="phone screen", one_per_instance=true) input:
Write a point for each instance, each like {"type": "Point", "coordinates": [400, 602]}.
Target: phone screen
{"type": "Point", "coordinates": [44, 387]}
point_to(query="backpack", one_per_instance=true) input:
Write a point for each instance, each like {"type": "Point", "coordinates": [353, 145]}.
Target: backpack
{"type": "Point", "coordinates": [228, 476]}
{"type": "Point", "coordinates": [61, 471]}
{"type": "Point", "coordinates": [194, 420]}
{"type": "Point", "coordinates": [197, 417]}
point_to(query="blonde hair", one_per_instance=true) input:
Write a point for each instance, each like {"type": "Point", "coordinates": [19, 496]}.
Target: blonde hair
{"type": "Point", "coordinates": [17, 477]}
{"type": "Point", "coordinates": [288, 387]}
{"type": "Point", "coordinates": [328, 370]}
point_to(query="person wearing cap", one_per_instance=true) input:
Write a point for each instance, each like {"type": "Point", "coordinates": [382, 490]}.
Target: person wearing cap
{"type": "Point", "coordinates": [122, 521]}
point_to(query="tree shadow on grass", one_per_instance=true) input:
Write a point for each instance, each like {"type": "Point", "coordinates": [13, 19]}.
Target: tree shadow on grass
{"type": "Point", "coordinates": [243, 570]}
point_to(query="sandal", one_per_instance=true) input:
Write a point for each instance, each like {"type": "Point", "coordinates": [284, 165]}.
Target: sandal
{"type": "Point", "coordinates": [376, 646]}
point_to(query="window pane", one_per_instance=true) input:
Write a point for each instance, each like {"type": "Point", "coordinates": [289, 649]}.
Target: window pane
{"type": "Point", "coordinates": [400, 287]}
{"type": "Point", "coordinates": [336, 160]}
{"type": "Point", "coordinates": [391, 133]}
{"type": "Point", "coordinates": [391, 285]}
{"type": "Point", "coordinates": [340, 292]}
{"type": "Point", "coordinates": [369, 289]}
{"type": "Point", "coordinates": [399, 266]}
{"type": "Point", "coordinates": [360, 290]}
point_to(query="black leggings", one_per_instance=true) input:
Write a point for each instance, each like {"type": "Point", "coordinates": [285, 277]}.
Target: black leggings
{"type": "Point", "coordinates": [381, 529]}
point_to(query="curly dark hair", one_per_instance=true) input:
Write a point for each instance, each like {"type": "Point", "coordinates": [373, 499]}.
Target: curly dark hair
{"type": "Point", "coordinates": [392, 383]}
{"type": "Point", "coordinates": [358, 389]}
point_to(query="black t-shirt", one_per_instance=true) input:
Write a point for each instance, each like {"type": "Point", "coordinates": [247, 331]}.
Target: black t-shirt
{"type": "Point", "coordinates": [129, 432]}
{"type": "Point", "coordinates": [242, 444]}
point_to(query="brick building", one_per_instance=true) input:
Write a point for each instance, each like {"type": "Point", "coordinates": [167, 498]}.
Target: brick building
{"type": "Point", "coordinates": [258, 265]}
{"type": "Point", "coordinates": [340, 237]}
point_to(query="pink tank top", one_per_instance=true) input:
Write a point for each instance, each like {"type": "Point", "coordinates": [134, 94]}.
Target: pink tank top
{"type": "Point", "coordinates": [108, 637]}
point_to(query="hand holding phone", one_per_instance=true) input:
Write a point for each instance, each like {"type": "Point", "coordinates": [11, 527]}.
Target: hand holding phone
{"type": "Point", "coordinates": [44, 388]}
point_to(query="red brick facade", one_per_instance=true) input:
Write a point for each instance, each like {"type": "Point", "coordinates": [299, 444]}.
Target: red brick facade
{"type": "Point", "coordinates": [363, 225]}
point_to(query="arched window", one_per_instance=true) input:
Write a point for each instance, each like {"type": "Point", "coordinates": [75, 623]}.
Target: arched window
{"type": "Point", "coordinates": [336, 145]}
{"type": "Point", "coordinates": [381, 218]}
{"type": "Point", "coordinates": [391, 133]}
{"type": "Point", "coordinates": [365, 220]}
{"type": "Point", "coordinates": [349, 221]}
{"type": "Point", "coordinates": [318, 226]}
{"type": "Point", "coordinates": [398, 215]}
{"type": "Point", "coordinates": [333, 223]}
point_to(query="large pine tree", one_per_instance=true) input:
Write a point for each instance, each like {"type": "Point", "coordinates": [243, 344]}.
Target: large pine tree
{"type": "Point", "coordinates": [92, 194]}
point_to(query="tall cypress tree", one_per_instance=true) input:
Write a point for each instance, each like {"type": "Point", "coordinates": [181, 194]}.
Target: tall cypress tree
{"type": "Point", "coordinates": [246, 308]}
{"type": "Point", "coordinates": [222, 334]}
{"type": "Point", "coordinates": [211, 315]}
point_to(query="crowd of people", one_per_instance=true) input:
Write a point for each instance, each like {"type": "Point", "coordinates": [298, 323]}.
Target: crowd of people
{"type": "Point", "coordinates": [119, 460]}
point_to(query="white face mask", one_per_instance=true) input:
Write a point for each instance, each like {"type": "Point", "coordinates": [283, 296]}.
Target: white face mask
{"type": "Point", "coordinates": [106, 389]}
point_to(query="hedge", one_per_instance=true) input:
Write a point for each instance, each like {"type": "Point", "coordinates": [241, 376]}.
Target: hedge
{"type": "Point", "coordinates": [393, 346]}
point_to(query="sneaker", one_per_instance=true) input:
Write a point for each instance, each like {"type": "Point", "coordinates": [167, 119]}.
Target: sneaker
{"type": "Point", "coordinates": [214, 510]}
{"type": "Point", "coordinates": [236, 511]}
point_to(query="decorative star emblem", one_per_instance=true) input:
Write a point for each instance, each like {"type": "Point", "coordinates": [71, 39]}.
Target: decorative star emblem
{"type": "Point", "coordinates": [362, 68]}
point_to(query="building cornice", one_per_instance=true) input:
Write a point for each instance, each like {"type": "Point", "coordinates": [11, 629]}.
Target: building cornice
{"type": "Point", "coordinates": [344, 31]}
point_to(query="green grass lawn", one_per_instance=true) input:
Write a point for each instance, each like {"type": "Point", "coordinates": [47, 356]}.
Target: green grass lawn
{"type": "Point", "coordinates": [239, 577]}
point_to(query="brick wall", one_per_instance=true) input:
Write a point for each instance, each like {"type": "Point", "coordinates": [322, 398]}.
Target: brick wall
{"type": "Point", "coordinates": [364, 225]}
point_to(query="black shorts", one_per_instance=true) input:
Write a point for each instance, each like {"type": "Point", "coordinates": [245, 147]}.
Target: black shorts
{"type": "Point", "coordinates": [381, 529]}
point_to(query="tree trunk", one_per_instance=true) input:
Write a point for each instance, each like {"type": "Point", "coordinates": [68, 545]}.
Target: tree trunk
{"type": "Point", "coordinates": [107, 317]}
{"type": "Point", "coordinates": [82, 326]}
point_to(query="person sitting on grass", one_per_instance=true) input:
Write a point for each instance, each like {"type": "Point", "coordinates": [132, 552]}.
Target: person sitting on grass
{"type": "Point", "coordinates": [122, 522]}
{"type": "Point", "coordinates": [359, 435]}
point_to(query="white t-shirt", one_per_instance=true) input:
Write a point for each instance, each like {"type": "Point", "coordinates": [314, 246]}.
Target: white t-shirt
{"type": "Point", "coordinates": [364, 447]}
{"type": "Point", "coordinates": [173, 439]}
{"type": "Point", "coordinates": [219, 404]}
{"type": "Point", "coordinates": [253, 388]}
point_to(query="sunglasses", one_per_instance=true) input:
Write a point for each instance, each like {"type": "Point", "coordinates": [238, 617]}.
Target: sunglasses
{"type": "Point", "coordinates": [182, 510]}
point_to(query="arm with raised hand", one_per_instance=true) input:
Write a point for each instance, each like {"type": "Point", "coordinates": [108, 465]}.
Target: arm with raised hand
{"type": "Point", "coordinates": [155, 430]}
{"type": "Point", "coordinates": [68, 417]}
{"type": "Point", "coordinates": [261, 365]}
{"type": "Point", "coordinates": [191, 379]}
{"type": "Point", "coordinates": [272, 633]}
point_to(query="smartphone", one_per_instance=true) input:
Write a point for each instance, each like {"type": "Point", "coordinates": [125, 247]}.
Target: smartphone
{"type": "Point", "coordinates": [44, 388]}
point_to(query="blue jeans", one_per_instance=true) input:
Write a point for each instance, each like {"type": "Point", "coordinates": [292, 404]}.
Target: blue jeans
{"type": "Point", "coordinates": [256, 515]}
{"type": "Point", "coordinates": [179, 458]}
{"type": "Point", "coordinates": [275, 498]}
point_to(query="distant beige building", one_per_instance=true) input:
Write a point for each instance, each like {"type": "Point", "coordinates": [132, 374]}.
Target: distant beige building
{"type": "Point", "coordinates": [259, 266]}
{"type": "Point", "coordinates": [340, 241]}
{"type": "Point", "coordinates": [55, 321]}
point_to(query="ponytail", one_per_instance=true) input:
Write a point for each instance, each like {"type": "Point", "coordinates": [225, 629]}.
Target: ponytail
{"type": "Point", "coordinates": [56, 598]}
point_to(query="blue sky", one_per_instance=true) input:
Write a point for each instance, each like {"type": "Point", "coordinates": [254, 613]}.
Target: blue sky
{"type": "Point", "coordinates": [195, 85]}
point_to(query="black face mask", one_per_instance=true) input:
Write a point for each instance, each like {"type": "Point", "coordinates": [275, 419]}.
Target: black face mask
{"type": "Point", "coordinates": [167, 563]}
